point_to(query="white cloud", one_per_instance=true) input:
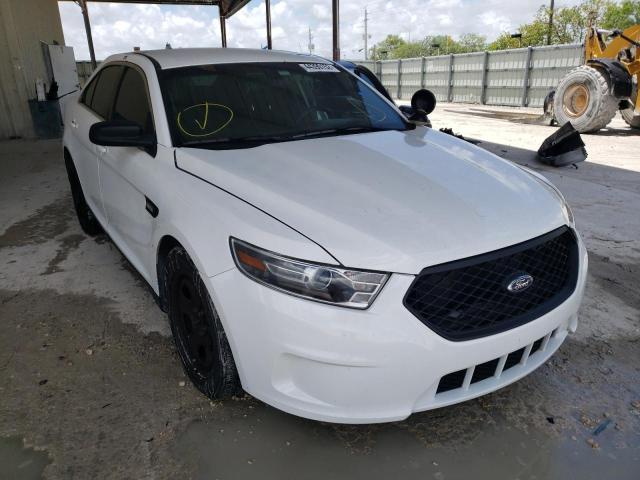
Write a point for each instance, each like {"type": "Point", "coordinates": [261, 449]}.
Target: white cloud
{"type": "Point", "coordinates": [321, 12]}
{"type": "Point", "coordinates": [119, 27]}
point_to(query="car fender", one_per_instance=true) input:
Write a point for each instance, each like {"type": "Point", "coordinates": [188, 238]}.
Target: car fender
{"type": "Point", "coordinates": [202, 217]}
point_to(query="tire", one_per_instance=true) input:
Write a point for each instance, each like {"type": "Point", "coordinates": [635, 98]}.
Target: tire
{"type": "Point", "coordinates": [197, 331]}
{"type": "Point", "coordinates": [628, 114]}
{"type": "Point", "coordinates": [88, 221]}
{"type": "Point", "coordinates": [583, 98]}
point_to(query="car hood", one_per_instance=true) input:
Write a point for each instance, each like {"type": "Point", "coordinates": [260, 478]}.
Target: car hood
{"type": "Point", "coordinates": [391, 201]}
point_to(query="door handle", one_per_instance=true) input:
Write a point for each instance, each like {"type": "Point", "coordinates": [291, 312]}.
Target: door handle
{"type": "Point", "coordinates": [102, 150]}
{"type": "Point", "coordinates": [74, 124]}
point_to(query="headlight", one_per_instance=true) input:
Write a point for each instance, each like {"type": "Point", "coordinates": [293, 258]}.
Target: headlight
{"type": "Point", "coordinates": [322, 283]}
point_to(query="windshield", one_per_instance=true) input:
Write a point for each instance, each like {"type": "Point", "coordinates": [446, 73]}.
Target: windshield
{"type": "Point", "coordinates": [244, 105]}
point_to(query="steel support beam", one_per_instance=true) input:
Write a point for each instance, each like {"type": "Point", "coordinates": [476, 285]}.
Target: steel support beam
{"type": "Point", "coordinates": [87, 27]}
{"type": "Point", "coordinates": [525, 81]}
{"type": "Point", "coordinates": [335, 10]}
{"type": "Point", "coordinates": [268, 8]}
{"type": "Point", "coordinates": [399, 90]}
{"type": "Point", "coordinates": [485, 73]}
{"type": "Point", "coordinates": [450, 79]}
{"type": "Point", "coordinates": [223, 28]}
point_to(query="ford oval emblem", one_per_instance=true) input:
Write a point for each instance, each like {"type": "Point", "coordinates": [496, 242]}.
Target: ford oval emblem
{"type": "Point", "coordinates": [520, 283]}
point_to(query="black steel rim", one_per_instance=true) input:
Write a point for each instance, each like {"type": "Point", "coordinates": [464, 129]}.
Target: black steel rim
{"type": "Point", "coordinates": [193, 328]}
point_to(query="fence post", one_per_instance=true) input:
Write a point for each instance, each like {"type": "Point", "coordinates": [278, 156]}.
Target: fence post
{"type": "Point", "coordinates": [450, 90]}
{"type": "Point", "coordinates": [423, 72]}
{"type": "Point", "coordinates": [527, 74]}
{"type": "Point", "coordinates": [399, 78]}
{"type": "Point", "coordinates": [485, 71]}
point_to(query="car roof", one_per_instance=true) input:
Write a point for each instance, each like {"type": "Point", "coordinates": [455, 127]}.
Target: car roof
{"type": "Point", "coordinates": [183, 57]}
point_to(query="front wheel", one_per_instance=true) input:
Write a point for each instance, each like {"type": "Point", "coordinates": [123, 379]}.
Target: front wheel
{"type": "Point", "coordinates": [200, 339]}
{"type": "Point", "coordinates": [584, 98]}
{"type": "Point", "coordinates": [628, 114]}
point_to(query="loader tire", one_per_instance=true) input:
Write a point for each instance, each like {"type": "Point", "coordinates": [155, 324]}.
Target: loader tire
{"type": "Point", "coordinates": [584, 99]}
{"type": "Point", "coordinates": [628, 114]}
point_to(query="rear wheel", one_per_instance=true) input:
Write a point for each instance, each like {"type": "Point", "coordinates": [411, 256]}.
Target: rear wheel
{"type": "Point", "coordinates": [583, 98]}
{"type": "Point", "coordinates": [628, 114]}
{"type": "Point", "coordinates": [88, 221]}
{"type": "Point", "coordinates": [200, 339]}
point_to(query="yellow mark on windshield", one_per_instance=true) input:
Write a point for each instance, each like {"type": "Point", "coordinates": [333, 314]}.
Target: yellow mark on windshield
{"type": "Point", "coordinates": [201, 128]}
{"type": "Point", "coordinates": [206, 116]}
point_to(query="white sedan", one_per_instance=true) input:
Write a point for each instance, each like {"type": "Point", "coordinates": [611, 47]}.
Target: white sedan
{"type": "Point", "coordinates": [310, 245]}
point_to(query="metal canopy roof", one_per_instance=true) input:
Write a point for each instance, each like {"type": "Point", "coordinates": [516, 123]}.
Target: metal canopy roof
{"type": "Point", "coordinates": [227, 7]}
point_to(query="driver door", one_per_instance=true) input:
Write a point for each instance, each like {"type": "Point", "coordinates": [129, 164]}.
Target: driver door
{"type": "Point", "coordinates": [125, 175]}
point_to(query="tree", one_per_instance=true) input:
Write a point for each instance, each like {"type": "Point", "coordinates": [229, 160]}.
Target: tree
{"type": "Point", "coordinates": [472, 42]}
{"type": "Point", "coordinates": [622, 15]}
{"type": "Point", "coordinates": [569, 25]}
{"type": "Point", "coordinates": [440, 45]}
{"type": "Point", "coordinates": [410, 50]}
{"type": "Point", "coordinates": [533, 34]}
{"type": "Point", "coordinates": [386, 48]}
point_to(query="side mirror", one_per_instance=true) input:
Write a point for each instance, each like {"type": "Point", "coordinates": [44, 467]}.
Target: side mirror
{"type": "Point", "coordinates": [121, 134]}
{"type": "Point", "coordinates": [415, 115]}
{"type": "Point", "coordinates": [423, 100]}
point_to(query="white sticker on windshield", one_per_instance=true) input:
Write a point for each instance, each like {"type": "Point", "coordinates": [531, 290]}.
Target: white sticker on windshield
{"type": "Point", "coordinates": [319, 67]}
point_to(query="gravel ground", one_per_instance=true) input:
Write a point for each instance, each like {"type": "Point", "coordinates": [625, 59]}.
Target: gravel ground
{"type": "Point", "coordinates": [91, 386]}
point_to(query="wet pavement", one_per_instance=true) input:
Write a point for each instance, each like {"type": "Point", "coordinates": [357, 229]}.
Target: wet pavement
{"type": "Point", "coordinates": [91, 386]}
{"type": "Point", "coordinates": [16, 461]}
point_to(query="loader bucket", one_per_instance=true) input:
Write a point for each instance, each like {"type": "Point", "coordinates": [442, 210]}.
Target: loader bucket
{"type": "Point", "coordinates": [564, 147]}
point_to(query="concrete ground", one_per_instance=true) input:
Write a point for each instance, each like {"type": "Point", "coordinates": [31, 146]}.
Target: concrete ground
{"type": "Point", "coordinates": [91, 386]}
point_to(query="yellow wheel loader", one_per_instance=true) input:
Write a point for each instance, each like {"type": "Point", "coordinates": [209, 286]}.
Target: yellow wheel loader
{"type": "Point", "coordinates": [590, 95]}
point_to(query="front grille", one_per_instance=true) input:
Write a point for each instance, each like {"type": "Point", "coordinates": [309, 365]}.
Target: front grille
{"type": "Point", "coordinates": [469, 298]}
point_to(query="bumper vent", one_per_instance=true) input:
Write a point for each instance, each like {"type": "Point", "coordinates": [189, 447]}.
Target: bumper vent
{"type": "Point", "coordinates": [470, 298]}
{"type": "Point", "coordinates": [492, 368]}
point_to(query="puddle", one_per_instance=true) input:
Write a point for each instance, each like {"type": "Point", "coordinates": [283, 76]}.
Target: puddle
{"type": "Point", "coordinates": [272, 445]}
{"type": "Point", "coordinates": [42, 225]}
{"type": "Point", "coordinates": [19, 463]}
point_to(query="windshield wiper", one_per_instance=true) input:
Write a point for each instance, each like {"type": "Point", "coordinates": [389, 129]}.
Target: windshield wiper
{"type": "Point", "coordinates": [230, 142]}
{"type": "Point", "coordinates": [343, 131]}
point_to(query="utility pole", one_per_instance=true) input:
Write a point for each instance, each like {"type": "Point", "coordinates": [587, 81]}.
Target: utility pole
{"type": "Point", "coordinates": [311, 46]}
{"type": "Point", "coordinates": [366, 35]}
{"type": "Point", "coordinates": [335, 14]}
{"type": "Point", "coordinates": [550, 31]}
{"type": "Point", "coordinates": [267, 4]}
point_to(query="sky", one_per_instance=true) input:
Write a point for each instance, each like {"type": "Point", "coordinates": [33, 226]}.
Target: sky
{"type": "Point", "coordinates": [119, 27]}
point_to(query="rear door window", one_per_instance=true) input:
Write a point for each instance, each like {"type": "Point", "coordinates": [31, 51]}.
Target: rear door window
{"type": "Point", "coordinates": [132, 103]}
{"type": "Point", "coordinates": [105, 90]}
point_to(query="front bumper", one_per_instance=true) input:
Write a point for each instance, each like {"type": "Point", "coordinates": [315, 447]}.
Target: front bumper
{"type": "Point", "coordinates": [364, 366]}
